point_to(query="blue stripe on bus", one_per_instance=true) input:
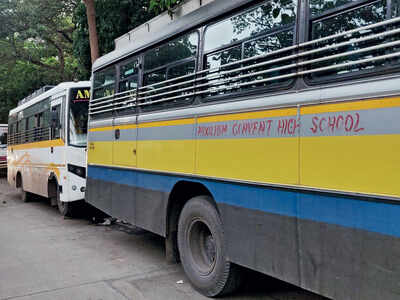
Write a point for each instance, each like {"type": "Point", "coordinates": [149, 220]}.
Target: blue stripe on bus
{"type": "Point", "coordinates": [349, 212]}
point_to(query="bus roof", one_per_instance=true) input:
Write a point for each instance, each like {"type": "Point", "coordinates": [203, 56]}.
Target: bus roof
{"type": "Point", "coordinates": [189, 21]}
{"type": "Point", "coordinates": [60, 87]}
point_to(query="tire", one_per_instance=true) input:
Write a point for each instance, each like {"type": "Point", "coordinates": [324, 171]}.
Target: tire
{"type": "Point", "coordinates": [65, 208]}
{"type": "Point", "coordinates": [25, 196]}
{"type": "Point", "coordinates": [202, 249]}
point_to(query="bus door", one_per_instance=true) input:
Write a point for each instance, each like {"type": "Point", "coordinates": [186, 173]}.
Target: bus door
{"type": "Point", "coordinates": [125, 143]}
{"type": "Point", "coordinates": [125, 115]}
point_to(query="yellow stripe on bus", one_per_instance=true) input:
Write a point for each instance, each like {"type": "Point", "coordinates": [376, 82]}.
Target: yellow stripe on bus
{"type": "Point", "coordinates": [35, 145]}
{"type": "Point", "coordinates": [349, 106]}
{"type": "Point", "coordinates": [108, 128]}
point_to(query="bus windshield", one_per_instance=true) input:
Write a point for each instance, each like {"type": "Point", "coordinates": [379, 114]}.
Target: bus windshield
{"type": "Point", "coordinates": [78, 117]}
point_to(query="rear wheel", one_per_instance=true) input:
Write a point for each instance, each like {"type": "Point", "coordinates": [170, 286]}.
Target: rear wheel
{"type": "Point", "coordinates": [25, 196]}
{"type": "Point", "coordinates": [203, 251]}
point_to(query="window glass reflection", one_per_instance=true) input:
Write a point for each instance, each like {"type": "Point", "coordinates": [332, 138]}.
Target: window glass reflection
{"type": "Point", "coordinates": [129, 69]}
{"type": "Point", "coordinates": [318, 7]}
{"type": "Point", "coordinates": [104, 83]}
{"type": "Point", "coordinates": [257, 20]}
{"type": "Point", "coordinates": [268, 44]}
{"type": "Point", "coordinates": [352, 19]}
{"type": "Point", "coordinates": [224, 57]}
{"type": "Point", "coordinates": [395, 8]}
{"type": "Point", "coordinates": [172, 51]}
{"type": "Point", "coordinates": [181, 70]}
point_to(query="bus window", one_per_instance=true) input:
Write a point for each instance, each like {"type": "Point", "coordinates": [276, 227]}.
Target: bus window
{"type": "Point", "coordinates": [318, 7]}
{"type": "Point", "coordinates": [78, 117]}
{"type": "Point", "coordinates": [166, 62]}
{"type": "Point", "coordinates": [362, 16]}
{"type": "Point", "coordinates": [261, 19]}
{"type": "Point", "coordinates": [224, 57]}
{"type": "Point", "coordinates": [342, 19]}
{"type": "Point", "coordinates": [395, 8]}
{"type": "Point", "coordinates": [3, 138]}
{"type": "Point", "coordinates": [57, 124]}
{"type": "Point", "coordinates": [103, 86]}
{"type": "Point", "coordinates": [155, 77]}
{"type": "Point", "coordinates": [129, 76]}
{"type": "Point", "coordinates": [256, 32]}
{"type": "Point", "coordinates": [180, 48]}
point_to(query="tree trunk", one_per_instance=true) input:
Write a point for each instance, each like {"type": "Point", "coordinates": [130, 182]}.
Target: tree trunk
{"type": "Point", "coordinates": [91, 16]}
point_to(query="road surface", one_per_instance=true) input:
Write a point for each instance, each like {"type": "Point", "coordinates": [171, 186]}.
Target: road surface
{"type": "Point", "coordinates": [44, 256]}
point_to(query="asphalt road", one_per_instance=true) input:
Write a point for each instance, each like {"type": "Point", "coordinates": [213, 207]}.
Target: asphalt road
{"type": "Point", "coordinates": [44, 256]}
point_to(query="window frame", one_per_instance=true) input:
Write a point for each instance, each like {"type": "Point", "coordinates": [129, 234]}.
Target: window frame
{"type": "Point", "coordinates": [350, 76]}
{"type": "Point", "coordinates": [139, 58]}
{"type": "Point", "coordinates": [251, 91]}
{"type": "Point", "coordinates": [167, 105]}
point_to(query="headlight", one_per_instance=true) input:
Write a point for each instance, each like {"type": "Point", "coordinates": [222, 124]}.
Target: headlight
{"type": "Point", "coordinates": [79, 171]}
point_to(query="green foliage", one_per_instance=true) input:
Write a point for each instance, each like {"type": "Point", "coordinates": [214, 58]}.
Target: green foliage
{"type": "Point", "coordinates": [113, 19]}
{"type": "Point", "coordinates": [159, 6]}
{"type": "Point", "coordinates": [44, 42]}
{"type": "Point", "coordinates": [19, 80]}
{"type": "Point", "coordinates": [35, 47]}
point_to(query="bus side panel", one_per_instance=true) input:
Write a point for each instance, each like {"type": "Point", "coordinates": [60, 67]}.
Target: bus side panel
{"type": "Point", "coordinates": [258, 147]}
{"type": "Point", "coordinates": [167, 146]}
{"type": "Point", "coordinates": [99, 190]}
{"type": "Point", "coordinates": [100, 151]}
{"type": "Point", "coordinates": [333, 245]}
{"type": "Point", "coordinates": [124, 186]}
{"type": "Point", "coordinates": [352, 147]}
{"type": "Point", "coordinates": [36, 162]}
{"type": "Point", "coordinates": [100, 142]}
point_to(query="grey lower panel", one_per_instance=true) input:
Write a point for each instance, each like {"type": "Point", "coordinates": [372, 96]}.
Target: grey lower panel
{"type": "Point", "coordinates": [100, 195]}
{"type": "Point", "coordinates": [141, 207]}
{"type": "Point", "coordinates": [151, 208]}
{"type": "Point", "coordinates": [334, 261]}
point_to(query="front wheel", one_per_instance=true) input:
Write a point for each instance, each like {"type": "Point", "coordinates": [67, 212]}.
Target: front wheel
{"type": "Point", "coordinates": [203, 251]}
{"type": "Point", "coordinates": [65, 208]}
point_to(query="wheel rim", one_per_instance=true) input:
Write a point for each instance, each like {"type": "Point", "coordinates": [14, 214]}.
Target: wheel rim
{"type": "Point", "coordinates": [202, 246]}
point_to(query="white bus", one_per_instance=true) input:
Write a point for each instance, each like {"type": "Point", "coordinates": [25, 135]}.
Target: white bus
{"type": "Point", "coordinates": [47, 145]}
{"type": "Point", "coordinates": [3, 146]}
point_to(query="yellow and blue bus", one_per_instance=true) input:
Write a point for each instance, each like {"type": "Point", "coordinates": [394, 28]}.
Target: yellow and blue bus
{"type": "Point", "coordinates": [259, 134]}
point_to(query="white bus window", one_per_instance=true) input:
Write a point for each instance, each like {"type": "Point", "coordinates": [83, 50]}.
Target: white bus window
{"type": "Point", "coordinates": [56, 124]}
{"type": "Point", "coordinates": [78, 117]}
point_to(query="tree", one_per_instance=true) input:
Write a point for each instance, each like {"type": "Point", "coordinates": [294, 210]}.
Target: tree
{"type": "Point", "coordinates": [113, 19]}
{"type": "Point", "coordinates": [159, 6]}
{"type": "Point", "coordinates": [37, 30]}
{"type": "Point", "coordinates": [93, 39]}
{"type": "Point", "coordinates": [35, 48]}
